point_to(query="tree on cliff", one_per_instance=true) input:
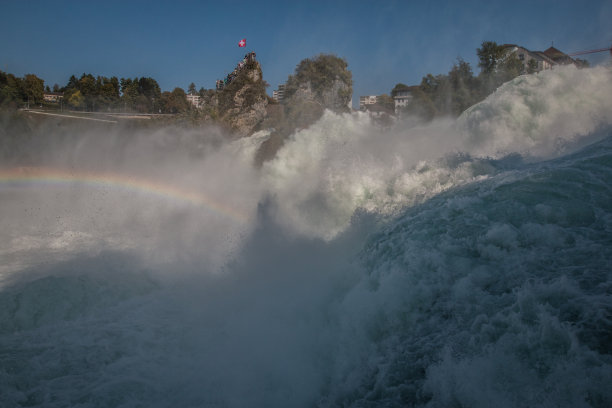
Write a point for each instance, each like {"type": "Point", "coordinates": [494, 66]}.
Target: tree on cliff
{"type": "Point", "coordinates": [489, 55]}
{"type": "Point", "coordinates": [319, 83]}
{"type": "Point", "coordinates": [497, 66]}
{"type": "Point", "coordinates": [322, 74]}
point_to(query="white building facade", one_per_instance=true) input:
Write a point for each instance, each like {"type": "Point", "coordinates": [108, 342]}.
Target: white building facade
{"type": "Point", "coordinates": [367, 100]}
{"type": "Point", "coordinates": [194, 100]}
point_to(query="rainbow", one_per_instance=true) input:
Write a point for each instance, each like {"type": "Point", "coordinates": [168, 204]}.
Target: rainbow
{"type": "Point", "coordinates": [54, 176]}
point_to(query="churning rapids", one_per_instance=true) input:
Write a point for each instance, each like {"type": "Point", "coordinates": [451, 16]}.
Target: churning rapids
{"type": "Point", "coordinates": [462, 263]}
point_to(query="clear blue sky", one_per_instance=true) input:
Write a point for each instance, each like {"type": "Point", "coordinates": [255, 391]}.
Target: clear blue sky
{"type": "Point", "coordinates": [384, 42]}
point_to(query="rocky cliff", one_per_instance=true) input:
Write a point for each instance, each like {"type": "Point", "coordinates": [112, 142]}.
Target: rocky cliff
{"type": "Point", "coordinates": [241, 104]}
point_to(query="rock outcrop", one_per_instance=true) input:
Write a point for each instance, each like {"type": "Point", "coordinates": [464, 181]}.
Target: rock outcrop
{"type": "Point", "coordinates": [321, 83]}
{"type": "Point", "coordinates": [241, 104]}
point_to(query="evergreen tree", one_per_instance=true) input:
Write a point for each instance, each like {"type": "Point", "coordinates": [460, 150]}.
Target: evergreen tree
{"type": "Point", "coordinates": [464, 87]}
{"type": "Point", "coordinates": [33, 88]}
{"type": "Point", "coordinates": [192, 89]}
{"type": "Point", "coordinates": [11, 91]}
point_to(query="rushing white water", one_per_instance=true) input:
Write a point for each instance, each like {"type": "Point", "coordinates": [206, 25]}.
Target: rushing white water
{"type": "Point", "coordinates": [460, 263]}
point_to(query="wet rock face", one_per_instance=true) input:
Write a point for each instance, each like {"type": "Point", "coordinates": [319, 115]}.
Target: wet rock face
{"type": "Point", "coordinates": [336, 97]}
{"type": "Point", "coordinates": [244, 119]}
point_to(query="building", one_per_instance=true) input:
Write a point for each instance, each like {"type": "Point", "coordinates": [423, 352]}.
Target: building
{"type": "Point", "coordinates": [279, 94]}
{"type": "Point", "coordinates": [194, 100]}
{"type": "Point", "coordinates": [367, 100]}
{"type": "Point", "coordinates": [542, 60]}
{"type": "Point", "coordinates": [403, 97]}
{"type": "Point", "coordinates": [53, 97]}
{"type": "Point", "coordinates": [558, 57]}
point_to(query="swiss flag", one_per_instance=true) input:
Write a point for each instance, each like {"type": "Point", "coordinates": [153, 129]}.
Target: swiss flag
{"type": "Point", "coordinates": [242, 43]}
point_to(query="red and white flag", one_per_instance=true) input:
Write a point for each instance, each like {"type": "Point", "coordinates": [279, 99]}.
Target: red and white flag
{"type": "Point", "coordinates": [242, 43]}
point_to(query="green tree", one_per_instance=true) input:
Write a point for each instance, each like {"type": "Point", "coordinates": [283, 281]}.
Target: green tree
{"type": "Point", "coordinates": [107, 92]}
{"type": "Point", "coordinates": [73, 83]}
{"type": "Point", "coordinates": [321, 72]}
{"type": "Point", "coordinates": [431, 84]}
{"type": "Point", "coordinates": [443, 94]}
{"type": "Point", "coordinates": [129, 93]}
{"type": "Point", "coordinates": [464, 89]}
{"type": "Point", "coordinates": [439, 91]}
{"type": "Point", "coordinates": [11, 91]}
{"type": "Point", "coordinates": [498, 65]}
{"type": "Point", "coordinates": [148, 87]}
{"type": "Point", "coordinates": [192, 89]}
{"type": "Point", "coordinates": [87, 88]}
{"type": "Point", "coordinates": [509, 68]}
{"type": "Point", "coordinates": [489, 54]}
{"type": "Point", "coordinates": [386, 103]}
{"type": "Point", "coordinates": [398, 88]}
{"type": "Point", "coordinates": [420, 106]}
{"type": "Point", "coordinates": [76, 100]}
{"type": "Point", "coordinates": [149, 95]}
{"type": "Point", "coordinates": [34, 88]}
{"type": "Point", "coordinates": [174, 102]}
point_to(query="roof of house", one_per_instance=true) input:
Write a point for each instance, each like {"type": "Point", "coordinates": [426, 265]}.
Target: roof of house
{"type": "Point", "coordinates": [558, 56]}
{"type": "Point", "coordinates": [552, 52]}
{"type": "Point", "coordinates": [551, 55]}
